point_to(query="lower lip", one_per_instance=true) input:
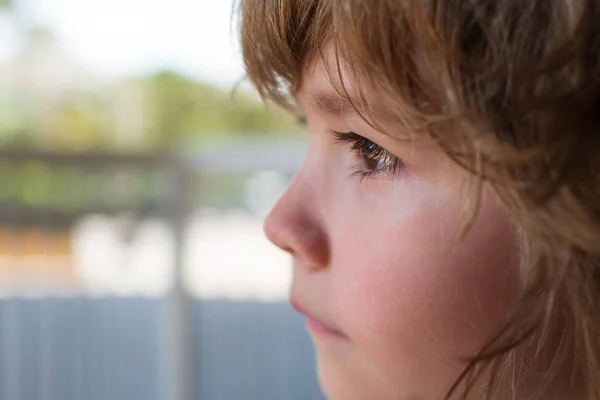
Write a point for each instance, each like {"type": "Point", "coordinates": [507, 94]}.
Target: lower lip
{"type": "Point", "coordinates": [320, 329]}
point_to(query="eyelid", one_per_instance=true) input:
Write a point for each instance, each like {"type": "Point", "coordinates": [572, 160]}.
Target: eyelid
{"type": "Point", "coordinates": [347, 137]}
{"type": "Point", "coordinates": [358, 143]}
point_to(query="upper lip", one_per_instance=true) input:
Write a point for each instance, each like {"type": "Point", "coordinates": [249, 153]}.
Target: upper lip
{"type": "Point", "coordinates": [302, 310]}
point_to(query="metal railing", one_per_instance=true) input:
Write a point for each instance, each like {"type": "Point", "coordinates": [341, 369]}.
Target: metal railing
{"type": "Point", "coordinates": [52, 192]}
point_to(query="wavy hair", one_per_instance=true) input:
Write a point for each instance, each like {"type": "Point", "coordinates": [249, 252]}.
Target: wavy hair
{"type": "Point", "coordinates": [515, 101]}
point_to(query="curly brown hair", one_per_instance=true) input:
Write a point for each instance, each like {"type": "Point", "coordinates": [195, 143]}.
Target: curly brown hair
{"type": "Point", "coordinates": [511, 92]}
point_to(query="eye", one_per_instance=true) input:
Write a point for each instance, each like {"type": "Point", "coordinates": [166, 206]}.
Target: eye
{"type": "Point", "coordinates": [373, 159]}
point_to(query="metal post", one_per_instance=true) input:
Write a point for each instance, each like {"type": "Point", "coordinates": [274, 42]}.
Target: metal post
{"type": "Point", "coordinates": [179, 330]}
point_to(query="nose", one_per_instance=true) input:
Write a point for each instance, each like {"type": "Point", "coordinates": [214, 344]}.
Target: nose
{"type": "Point", "coordinates": [295, 225]}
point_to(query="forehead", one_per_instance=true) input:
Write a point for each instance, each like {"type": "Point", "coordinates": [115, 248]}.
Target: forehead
{"type": "Point", "coordinates": [327, 86]}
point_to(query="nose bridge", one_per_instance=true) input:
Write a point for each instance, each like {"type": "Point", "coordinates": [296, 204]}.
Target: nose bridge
{"type": "Point", "coordinates": [295, 224]}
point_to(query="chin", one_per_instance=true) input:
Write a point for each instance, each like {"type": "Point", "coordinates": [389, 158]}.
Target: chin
{"type": "Point", "coordinates": [337, 385]}
{"type": "Point", "coordinates": [331, 380]}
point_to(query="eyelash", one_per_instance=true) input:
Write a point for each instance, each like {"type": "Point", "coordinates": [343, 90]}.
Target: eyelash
{"type": "Point", "coordinates": [365, 148]}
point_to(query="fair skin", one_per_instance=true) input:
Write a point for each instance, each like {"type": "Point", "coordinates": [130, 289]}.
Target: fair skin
{"type": "Point", "coordinates": [372, 261]}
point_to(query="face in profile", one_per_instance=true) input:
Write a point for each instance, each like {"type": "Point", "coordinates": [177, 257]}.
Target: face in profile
{"type": "Point", "coordinates": [392, 303]}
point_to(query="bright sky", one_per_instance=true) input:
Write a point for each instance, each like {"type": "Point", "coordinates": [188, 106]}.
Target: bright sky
{"type": "Point", "coordinates": [117, 37]}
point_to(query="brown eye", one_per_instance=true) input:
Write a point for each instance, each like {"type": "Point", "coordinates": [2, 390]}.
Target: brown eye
{"type": "Point", "coordinates": [374, 159]}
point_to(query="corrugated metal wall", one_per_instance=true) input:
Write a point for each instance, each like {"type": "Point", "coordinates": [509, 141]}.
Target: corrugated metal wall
{"type": "Point", "coordinates": [85, 348]}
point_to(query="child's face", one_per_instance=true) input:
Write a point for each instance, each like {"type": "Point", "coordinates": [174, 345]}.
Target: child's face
{"type": "Point", "coordinates": [374, 261]}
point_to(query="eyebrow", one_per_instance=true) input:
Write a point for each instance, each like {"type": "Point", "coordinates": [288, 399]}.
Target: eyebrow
{"type": "Point", "coordinates": [333, 103]}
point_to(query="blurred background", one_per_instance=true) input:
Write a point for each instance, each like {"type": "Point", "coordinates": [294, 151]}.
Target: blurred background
{"type": "Point", "coordinates": [134, 181]}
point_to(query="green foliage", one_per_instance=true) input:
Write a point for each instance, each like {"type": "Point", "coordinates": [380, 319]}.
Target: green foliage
{"type": "Point", "coordinates": [181, 109]}
{"type": "Point", "coordinates": [174, 111]}
{"type": "Point", "coordinates": [78, 127]}
{"type": "Point", "coordinates": [159, 112]}
{"type": "Point", "coordinates": [75, 188]}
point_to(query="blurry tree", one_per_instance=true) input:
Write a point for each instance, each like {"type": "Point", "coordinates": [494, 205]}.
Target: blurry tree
{"type": "Point", "coordinates": [48, 96]}
{"type": "Point", "coordinates": [159, 112]}
{"type": "Point", "coordinates": [48, 102]}
{"type": "Point", "coordinates": [181, 110]}
{"type": "Point", "coordinates": [79, 126]}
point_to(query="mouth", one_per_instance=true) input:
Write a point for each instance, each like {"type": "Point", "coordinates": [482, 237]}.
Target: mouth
{"type": "Point", "coordinates": [315, 325]}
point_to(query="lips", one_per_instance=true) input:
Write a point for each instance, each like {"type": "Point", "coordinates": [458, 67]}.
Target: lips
{"type": "Point", "coordinates": [315, 324]}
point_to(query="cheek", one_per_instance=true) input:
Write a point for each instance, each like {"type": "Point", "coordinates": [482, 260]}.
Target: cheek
{"type": "Point", "coordinates": [410, 303]}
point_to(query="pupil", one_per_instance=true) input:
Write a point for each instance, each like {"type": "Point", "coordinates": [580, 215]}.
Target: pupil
{"type": "Point", "coordinates": [371, 161]}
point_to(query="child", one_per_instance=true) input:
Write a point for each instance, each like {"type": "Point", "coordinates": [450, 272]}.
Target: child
{"type": "Point", "coordinates": [445, 226]}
